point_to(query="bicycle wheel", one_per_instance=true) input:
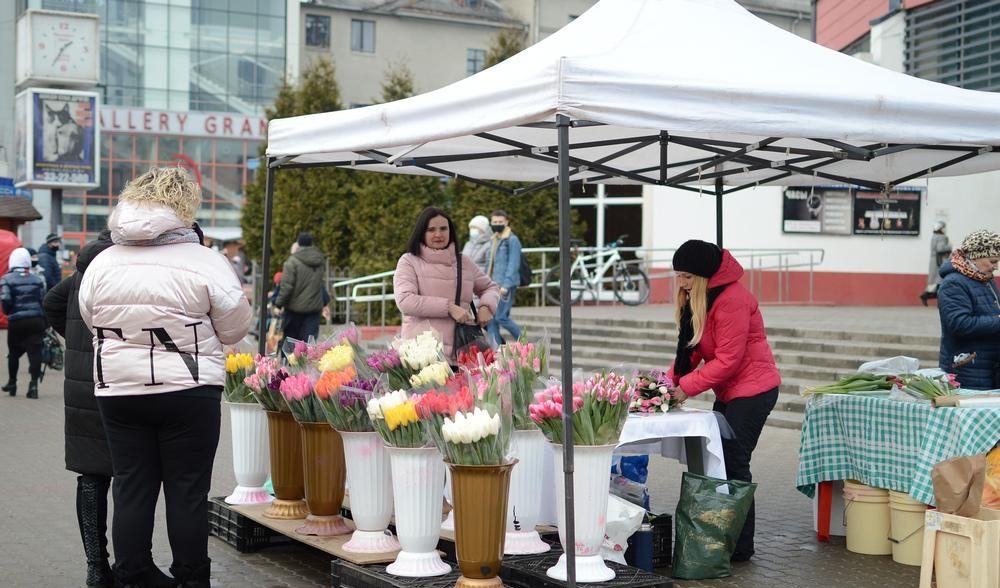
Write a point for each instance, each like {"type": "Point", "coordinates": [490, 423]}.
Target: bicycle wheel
{"type": "Point", "coordinates": [578, 285]}
{"type": "Point", "coordinates": [631, 284]}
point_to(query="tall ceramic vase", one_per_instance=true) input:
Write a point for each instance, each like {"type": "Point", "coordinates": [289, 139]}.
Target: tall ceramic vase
{"type": "Point", "coordinates": [251, 458]}
{"type": "Point", "coordinates": [286, 467]}
{"type": "Point", "coordinates": [591, 484]}
{"type": "Point", "coordinates": [480, 494]}
{"type": "Point", "coordinates": [524, 501]}
{"type": "Point", "coordinates": [324, 475]}
{"type": "Point", "coordinates": [369, 478]}
{"type": "Point", "coordinates": [417, 490]}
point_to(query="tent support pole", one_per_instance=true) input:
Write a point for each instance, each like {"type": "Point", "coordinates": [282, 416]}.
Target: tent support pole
{"type": "Point", "coordinates": [566, 334]}
{"type": "Point", "coordinates": [265, 259]}
{"type": "Point", "coordinates": [718, 211]}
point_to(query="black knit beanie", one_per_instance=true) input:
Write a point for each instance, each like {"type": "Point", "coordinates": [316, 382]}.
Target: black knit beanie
{"type": "Point", "coordinates": [700, 258]}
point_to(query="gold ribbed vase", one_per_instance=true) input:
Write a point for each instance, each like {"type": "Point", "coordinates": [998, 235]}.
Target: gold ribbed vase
{"type": "Point", "coordinates": [480, 498]}
{"type": "Point", "coordinates": [324, 475]}
{"type": "Point", "coordinates": [286, 467]}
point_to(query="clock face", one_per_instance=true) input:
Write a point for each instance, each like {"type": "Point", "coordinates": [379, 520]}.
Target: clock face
{"type": "Point", "coordinates": [64, 46]}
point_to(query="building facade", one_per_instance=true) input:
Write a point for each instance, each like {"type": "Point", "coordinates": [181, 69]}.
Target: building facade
{"type": "Point", "coordinates": [182, 82]}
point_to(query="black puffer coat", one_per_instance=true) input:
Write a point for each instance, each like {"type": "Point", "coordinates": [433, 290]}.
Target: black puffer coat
{"type": "Point", "coordinates": [86, 446]}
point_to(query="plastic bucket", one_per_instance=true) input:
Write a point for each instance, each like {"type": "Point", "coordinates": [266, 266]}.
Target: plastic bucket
{"type": "Point", "coordinates": [866, 511]}
{"type": "Point", "coordinates": [907, 528]}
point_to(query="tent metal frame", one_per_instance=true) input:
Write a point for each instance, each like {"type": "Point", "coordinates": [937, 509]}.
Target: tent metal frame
{"type": "Point", "coordinates": [797, 160]}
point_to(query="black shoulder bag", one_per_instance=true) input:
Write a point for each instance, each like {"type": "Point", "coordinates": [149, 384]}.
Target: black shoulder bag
{"type": "Point", "coordinates": [466, 335]}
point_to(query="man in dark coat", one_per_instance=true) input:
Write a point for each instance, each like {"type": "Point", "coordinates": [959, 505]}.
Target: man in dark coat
{"type": "Point", "coordinates": [301, 292]}
{"type": "Point", "coordinates": [86, 445]}
{"type": "Point", "coordinates": [47, 260]}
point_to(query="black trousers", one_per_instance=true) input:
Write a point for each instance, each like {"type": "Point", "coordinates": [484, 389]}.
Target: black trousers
{"type": "Point", "coordinates": [155, 439]}
{"type": "Point", "coordinates": [746, 416]}
{"type": "Point", "coordinates": [25, 336]}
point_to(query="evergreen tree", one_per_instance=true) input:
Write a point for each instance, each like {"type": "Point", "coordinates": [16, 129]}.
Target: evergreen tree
{"type": "Point", "coordinates": [506, 43]}
{"type": "Point", "coordinates": [397, 84]}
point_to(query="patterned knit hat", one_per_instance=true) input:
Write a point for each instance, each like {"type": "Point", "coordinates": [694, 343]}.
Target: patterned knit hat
{"type": "Point", "coordinates": [980, 244]}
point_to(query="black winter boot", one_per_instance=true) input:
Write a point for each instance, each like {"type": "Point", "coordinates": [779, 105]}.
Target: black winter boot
{"type": "Point", "coordinates": [10, 387]}
{"type": "Point", "coordinates": [151, 577]}
{"type": "Point", "coordinates": [92, 516]}
{"type": "Point", "coordinates": [193, 577]}
{"type": "Point", "coordinates": [33, 388]}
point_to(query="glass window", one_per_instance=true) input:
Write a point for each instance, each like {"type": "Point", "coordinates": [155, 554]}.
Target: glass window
{"type": "Point", "coordinates": [145, 148]}
{"type": "Point", "coordinates": [169, 146]}
{"type": "Point", "coordinates": [122, 146]}
{"type": "Point", "coordinates": [363, 36]}
{"type": "Point", "coordinates": [229, 152]}
{"type": "Point", "coordinates": [317, 31]}
{"type": "Point", "coordinates": [475, 59]}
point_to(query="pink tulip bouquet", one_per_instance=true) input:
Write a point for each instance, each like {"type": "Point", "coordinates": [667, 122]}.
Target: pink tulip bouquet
{"type": "Point", "coordinates": [527, 364]}
{"type": "Point", "coordinates": [265, 383]}
{"type": "Point", "coordinates": [600, 407]}
{"type": "Point", "coordinates": [299, 394]}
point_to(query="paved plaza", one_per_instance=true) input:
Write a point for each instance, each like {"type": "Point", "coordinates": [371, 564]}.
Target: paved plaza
{"type": "Point", "coordinates": [40, 545]}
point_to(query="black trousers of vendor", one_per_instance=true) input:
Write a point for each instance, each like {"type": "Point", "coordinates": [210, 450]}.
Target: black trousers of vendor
{"type": "Point", "coordinates": [746, 416]}
{"type": "Point", "coordinates": [25, 336]}
{"type": "Point", "coordinates": [167, 439]}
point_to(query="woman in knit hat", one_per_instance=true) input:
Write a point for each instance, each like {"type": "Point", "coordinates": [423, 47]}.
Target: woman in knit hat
{"type": "Point", "coordinates": [969, 304]}
{"type": "Point", "coordinates": [722, 346]}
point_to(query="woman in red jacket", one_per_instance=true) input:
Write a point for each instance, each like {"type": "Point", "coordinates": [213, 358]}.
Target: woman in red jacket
{"type": "Point", "coordinates": [719, 323]}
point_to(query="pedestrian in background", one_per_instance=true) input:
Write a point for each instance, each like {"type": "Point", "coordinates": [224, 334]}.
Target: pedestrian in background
{"type": "Point", "coordinates": [161, 307]}
{"type": "Point", "coordinates": [477, 248]}
{"type": "Point", "coordinates": [48, 260]}
{"type": "Point", "coordinates": [86, 451]}
{"type": "Point", "coordinates": [300, 294]}
{"type": "Point", "coordinates": [505, 270]}
{"type": "Point", "coordinates": [21, 294]}
{"type": "Point", "coordinates": [940, 252]}
{"type": "Point", "coordinates": [719, 323]}
{"type": "Point", "coordinates": [969, 305]}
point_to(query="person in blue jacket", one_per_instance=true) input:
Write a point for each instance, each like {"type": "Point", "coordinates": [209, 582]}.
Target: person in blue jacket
{"type": "Point", "coordinates": [49, 262]}
{"type": "Point", "coordinates": [969, 304]}
{"type": "Point", "coordinates": [21, 294]}
{"type": "Point", "coordinates": [505, 269]}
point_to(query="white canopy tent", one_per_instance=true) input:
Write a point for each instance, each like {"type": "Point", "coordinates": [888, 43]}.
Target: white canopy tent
{"type": "Point", "coordinates": [679, 93]}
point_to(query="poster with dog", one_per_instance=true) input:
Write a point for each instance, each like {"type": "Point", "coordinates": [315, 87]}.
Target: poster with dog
{"type": "Point", "coordinates": [63, 134]}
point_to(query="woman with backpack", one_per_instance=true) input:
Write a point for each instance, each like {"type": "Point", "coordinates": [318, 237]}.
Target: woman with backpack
{"type": "Point", "coordinates": [21, 293]}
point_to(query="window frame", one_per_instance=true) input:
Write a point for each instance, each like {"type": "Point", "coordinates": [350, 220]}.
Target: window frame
{"type": "Point", "coordinates": [360, 47]}
{"type": "Point", "coordinates": [474, 57]}
{"type": "Point", "coordinates": [310, 17]}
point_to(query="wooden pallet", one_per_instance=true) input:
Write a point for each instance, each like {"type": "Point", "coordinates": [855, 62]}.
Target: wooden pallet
{"type": "Point", "coordinates": [961, 552]}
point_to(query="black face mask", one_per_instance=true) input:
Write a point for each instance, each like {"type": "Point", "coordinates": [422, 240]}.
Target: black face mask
{"type": "Point", "coordinates": [498, 228]}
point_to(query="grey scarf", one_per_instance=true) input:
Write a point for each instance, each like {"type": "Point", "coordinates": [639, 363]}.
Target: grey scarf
{"type": "Point", "coordinates": [171, 237]}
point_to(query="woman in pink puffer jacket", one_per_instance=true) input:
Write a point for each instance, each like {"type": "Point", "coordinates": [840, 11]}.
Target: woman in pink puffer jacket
{"type": "Point", "coordinates": [425, 281]}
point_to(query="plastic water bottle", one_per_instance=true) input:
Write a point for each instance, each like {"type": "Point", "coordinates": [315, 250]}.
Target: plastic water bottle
{"type": "Point", "coordinates": [642, 543]}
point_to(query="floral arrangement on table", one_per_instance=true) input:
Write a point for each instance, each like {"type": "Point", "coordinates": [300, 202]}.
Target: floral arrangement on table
{"type": "Point", "coordinates": [600, 407]}
{"type": "Point", "coordinates": [653, 393]}
{"type": "Point", "coordinates": [386, 364]}
{"type": "Point", "coordinates": [394, 416]}
{"type": "Point", "coordinates": [343, 398]}
{"type": "Point", "coordinates": [470, 421]}
{"type": "Point", "coordinates": [297, 390]}
{"type": "Point", "coordinates": [926, 387]}
{"type": "Point", "coordinates": [527, 364]}
{"type": "Point", "coordinates": [265, 383]}
{"type": "Point", "coordinates": [238, 367]}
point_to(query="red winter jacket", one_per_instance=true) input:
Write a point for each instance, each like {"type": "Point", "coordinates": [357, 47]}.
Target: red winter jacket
{"type": "Point", "coordinates": [738, 360]}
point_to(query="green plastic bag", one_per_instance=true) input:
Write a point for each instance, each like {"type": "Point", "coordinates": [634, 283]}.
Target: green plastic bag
{"type": "Point", "coordinates": [708, 523]}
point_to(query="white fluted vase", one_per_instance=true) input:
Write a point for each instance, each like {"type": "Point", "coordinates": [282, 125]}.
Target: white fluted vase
{"type": "Point", "coordinates": [369, 479]}
{"type": "Point", "coordinates": [524, 500]}
{"type": "Point", "coordinates": [591, 484]}
{"type": "Point", "coordinates": [449, 521]}
{"type": "Point", "coordinates": [417, 490]}
{"type": "Point", "coordinates": [251, 453]}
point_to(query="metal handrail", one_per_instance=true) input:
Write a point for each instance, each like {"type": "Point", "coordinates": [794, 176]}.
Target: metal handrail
{"type": "Point", "coordinates": [377, 288]}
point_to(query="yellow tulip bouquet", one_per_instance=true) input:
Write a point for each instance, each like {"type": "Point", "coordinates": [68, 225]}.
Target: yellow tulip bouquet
{"type": "Point", "coordinates": [238, 367]}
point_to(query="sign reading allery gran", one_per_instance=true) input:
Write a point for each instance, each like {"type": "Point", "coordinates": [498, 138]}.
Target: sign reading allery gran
{"type": "Point", "coordinates": [56, 139]}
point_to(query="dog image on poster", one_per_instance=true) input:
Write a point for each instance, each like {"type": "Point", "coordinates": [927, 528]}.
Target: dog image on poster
{"type": "Point", "coordinates": [62, 135]}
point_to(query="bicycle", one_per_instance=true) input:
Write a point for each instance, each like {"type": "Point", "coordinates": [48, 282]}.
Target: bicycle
{"type": "Point", "coordinates": [630, 284]}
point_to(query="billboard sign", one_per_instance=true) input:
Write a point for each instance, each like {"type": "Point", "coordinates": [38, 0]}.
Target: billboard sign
{"type": "Point", "coordinates": [893, 213]}
{"type": "Point", "coordinates": [820, 210]}
{"type": "Point", "coordinates": [57, 139]}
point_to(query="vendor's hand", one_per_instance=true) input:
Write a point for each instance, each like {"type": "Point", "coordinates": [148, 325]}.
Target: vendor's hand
{"type": "Point", "coordinates": [458, 313]}
{"type": "Point", "coordinates": [485, 316]}
{"type": "Point", "coordinates": [503, 291]}
{"type": "Point", "coordinates": [326, 313]}
{"type": "Point", "coordinates": [678, 395]}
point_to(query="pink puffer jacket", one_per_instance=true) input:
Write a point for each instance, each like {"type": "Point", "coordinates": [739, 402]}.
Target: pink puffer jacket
{"type": "Point", "coordinates": [425, 287]}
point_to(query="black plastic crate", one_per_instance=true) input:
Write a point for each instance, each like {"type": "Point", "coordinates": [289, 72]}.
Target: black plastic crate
{"type": "Point", "coordinates": [344, 574]}
{"type": "Point", "coordinates": [239, 531]}
{"type": "Point", "coordinates": [663, 539]}
{"type": "Point", "coordinates": [529, 572]}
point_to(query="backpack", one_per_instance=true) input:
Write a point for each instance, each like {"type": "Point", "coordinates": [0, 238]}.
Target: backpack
{"type": "Point", "coordinates": [524, 273]}
{"type": "Point", "coordinates": [52, 350]}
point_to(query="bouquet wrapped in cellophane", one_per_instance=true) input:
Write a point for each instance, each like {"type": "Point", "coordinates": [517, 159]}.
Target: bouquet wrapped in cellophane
{"type": "Point", "coordinates": [393, 415]}
{"type": "Point", "coordinates": [469, 419]}
{"type": "Point", "coordinates": [265, 383]}
{"type": "Point", "coordinates": [344, 397]}
{"type": "Point", "coordinates": [653, 393]}
{"type": "Point", "coordinates": [297, 390]}
{"type": "Point", "coordinates": [238, 367]}
{"type": "Point", "coordinates": [600, 407]}
{"type": "Point", "coordinates": [527, 364]}
{"type": "Point", "coordinates": [423, 356]}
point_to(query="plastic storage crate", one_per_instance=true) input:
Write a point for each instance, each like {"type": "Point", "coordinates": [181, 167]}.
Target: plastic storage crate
{"type": "Point", "coordinates": [239, 531]}
{"type": "Point", "coordinates": [529, 572]}
{"type": "Point", "coordinates": [344, 574]}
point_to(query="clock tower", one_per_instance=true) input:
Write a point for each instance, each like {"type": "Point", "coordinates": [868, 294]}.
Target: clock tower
{"type": "Point", "coordinates": [57, 49]}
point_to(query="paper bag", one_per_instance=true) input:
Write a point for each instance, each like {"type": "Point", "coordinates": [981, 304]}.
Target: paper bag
{"type": "Point", "coordinates": [958, 485]}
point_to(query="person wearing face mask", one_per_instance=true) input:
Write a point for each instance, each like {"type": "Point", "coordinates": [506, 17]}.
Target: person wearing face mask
{"type": "Point", "coordinates": [21, 294]}
{"type": "Point", "coordinates": [477, 248]}
{"type": "Point", "coordinates": [969, 305]}
{"type": "Point", "coordinates": [722, 346]}
{"type": "Point", "coordinates": [49, 262]}
{"type": "Point", "coordinates": [505, 269]}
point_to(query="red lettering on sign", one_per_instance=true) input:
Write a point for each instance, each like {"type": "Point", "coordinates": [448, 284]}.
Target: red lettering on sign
{"type": "Point", "coordinates": [131, 125]}
{"type": "Point", "coordinates": [263, 128]}
{"type": "Point", "coordinates": [114, 119]}
{"type": "Point", "coordinates": [182, 119]}
{"type": "Point", "coordinates": [210, 125]}
{"type": "Point", "coordinates": [246, 129]}
{"type": "Point", "coordinates": [227, 125]}
{"type": "Point", "coordinates": [164, 121]}
{"type": "Point", "coordinates": [147, 121]}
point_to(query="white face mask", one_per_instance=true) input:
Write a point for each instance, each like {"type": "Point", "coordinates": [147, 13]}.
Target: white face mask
{"type": "Point", "coordinates": [474, 234]}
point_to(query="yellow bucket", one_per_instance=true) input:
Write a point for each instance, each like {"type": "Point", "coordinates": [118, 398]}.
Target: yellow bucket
{"type": "Point", "coordinates": [907, 528]}
{"type": "Point", "coordinates": [866, 510]}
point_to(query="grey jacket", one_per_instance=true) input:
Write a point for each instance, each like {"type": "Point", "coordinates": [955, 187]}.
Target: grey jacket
{"type": "Point", "coordinates": [301, 288]}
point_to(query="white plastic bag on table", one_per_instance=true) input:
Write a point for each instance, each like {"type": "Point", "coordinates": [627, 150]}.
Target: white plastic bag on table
{"type": "Point", "coordinates": [892, 366]}
{"type": "Point", "coordinates": [624, 519]}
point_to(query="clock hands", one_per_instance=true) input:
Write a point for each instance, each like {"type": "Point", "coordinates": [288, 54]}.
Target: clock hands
{"type": "Point", "coordinates": [61, 49]}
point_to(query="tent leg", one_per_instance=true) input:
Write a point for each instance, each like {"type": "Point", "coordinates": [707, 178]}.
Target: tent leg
{"type": "Point", "coordinates": [265, 259]}
{"type": "Point", "coordinates": [718, 212]}
{"type": "Point", "coordinates": [566, 334]}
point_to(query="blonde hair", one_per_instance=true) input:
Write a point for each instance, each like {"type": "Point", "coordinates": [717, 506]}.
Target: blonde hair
{"type": "Point", "coordinates": [698, 296]}
{"type": "Point", "coordinates": [172, 187]}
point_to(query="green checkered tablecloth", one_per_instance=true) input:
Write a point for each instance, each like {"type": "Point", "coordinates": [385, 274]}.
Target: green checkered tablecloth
{"type": "Point", "coordinates": [887, 443]}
